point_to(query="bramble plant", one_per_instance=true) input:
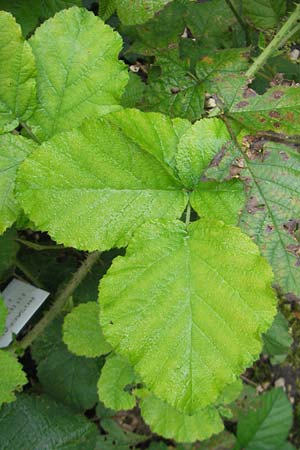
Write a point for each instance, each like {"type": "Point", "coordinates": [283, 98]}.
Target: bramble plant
{"type": "Point", "coordinates": [191, 171]}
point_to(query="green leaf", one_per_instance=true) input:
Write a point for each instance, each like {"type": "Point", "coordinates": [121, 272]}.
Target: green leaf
{"type": "Point", "coordinates": [197, 147]}
{"type": "Point", "coordinates": [8, 252]}
{"type": "Point", "coordinates": [186, 307]}
{"type": "Point", "coordinates": [133, 91]}
{"type": "Point", "coordinates": [73, 85]}
{"type": "Point", "coordinates": [12, 377]}
{"type": "Point", "coordinates": [110, 184]}
{"type": "Point", "coordinates": [268, 427]}
{"type": "Point", "coordinates": [220, 201]}
{"type": "Point", "coordinates": [277, 340]}
{"type": "Point", "coordinates": [273, 208]}
{"type": "Point", "coordinates": [116, 375]}
{"type": "Point", "coordinates": [29, 13]}
{"type": "Point", "coordinates": [17, 75]}
{"type": "Point", "coordinates": [223, 441]}
{"type": "Point", "coordinates": [106, 9]}
{"type": "Point", "coordinates": [277, 110]}
{"type": "Point", "coordinates": [171, 424]}
{"type": "Point", "coordinates": [264, 14]}
{"type": "Point", "coordinates": [38, 422]}
{"type": "Point", "coordinates": [13, 151]}
{"type": "Point", "coordinates": [3, 314]}
{"type": "Point", "coordinates": [82, 332]}
{"type": "Point", "coordinates": [180, 89]}
{"type": "Point", "coordinates": [67, 378]}
{"type": "Point", "coordinates": [138, 11]}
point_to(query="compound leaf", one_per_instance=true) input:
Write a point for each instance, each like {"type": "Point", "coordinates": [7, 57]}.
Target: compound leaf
{"type": "Point", "coordinates": [109, 186]}
{"type": "Point", "coordinates": [12, 377]}
{"type": "Point", "coordinates": [172, 424]}
{"type": "Point", "coordinates": [17, 75]}
{"type": "Point", "coordinates": [220, 201]}
{"type": "Point", "coordinates": [166, 305]}
{"type": "Point", "coordinates": [78, 71]}
{"type": "Point", "coordinates": [268, 426]}
{"type": "Point", "coordinates": [273, 208]}
{"type": "Point", "coordinates": [138, 11]}
{"type": "Point", "coordinates": [116, 375]}
{"type": "Point", "coordinates": [13, 151]}
{"type": "Point", "coordinates": [82, 332]}
{"type": "Point", "coordinates": [39, 422]}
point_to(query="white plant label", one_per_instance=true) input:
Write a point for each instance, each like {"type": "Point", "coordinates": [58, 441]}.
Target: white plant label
{"type": "Point", "coordinates": [22, 301]}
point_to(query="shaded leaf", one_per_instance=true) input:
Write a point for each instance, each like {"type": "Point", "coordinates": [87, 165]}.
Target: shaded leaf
{"type": "Point", "coordinates": [39, 422]}
{"type": "Point", "coordinates": [278, 340]}
{"type": "Point", "coordinates": [266, 428]}
{"type": "Point", "coordinates": [264, 14]}
{"type": "Point", "coordinates": [8, 252]}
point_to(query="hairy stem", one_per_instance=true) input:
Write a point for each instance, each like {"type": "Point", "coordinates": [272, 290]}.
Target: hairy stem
{"type": "Point", "coordinates": [59, 301]}
{"type": "Point", "coordinates": [30, 132]}
{"type": "Point", "coordinates": [39, 247]}
{"type": "Point", "coordinates": [289, 27]}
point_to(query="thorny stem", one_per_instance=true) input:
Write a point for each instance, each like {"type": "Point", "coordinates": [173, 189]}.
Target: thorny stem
{"type": "Point", "coordinates": [30, 132]}
{"type": "Point", "coordinates": [240, 20]}
{"type": "Point", "coordinates": [40, 247]}
{"type": "Point", "coordinates": [59, 301]}
{"type": "Point", "coordinates": [289, 27]}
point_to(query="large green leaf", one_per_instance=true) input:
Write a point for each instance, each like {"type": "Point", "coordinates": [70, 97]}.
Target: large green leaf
{"type": "Point", "coordinates": [268, 427]}
{"type": "Point", "coordinates": [138, 11]}
{"type": "Point", "coordinates": [17, 75]}
{"type": "Point", "coordinates": [12, 377]}
{"type": "Point", "coordinates": [109, 186]}
{"type": "Point", "coordinates": [264, 13]}
{"type": "Point", "coordinates": [78, 72]}
{"type": "Point", "coordinates": [82, 332]}
{"type": "Point", "coordinates": [116, 375]}
{"type": "Point", "coordinates": [186, 307]}
{"type": "Point", "coordinates": [13, 150]}
{"type": "Point", "coordinates": [38, 422]}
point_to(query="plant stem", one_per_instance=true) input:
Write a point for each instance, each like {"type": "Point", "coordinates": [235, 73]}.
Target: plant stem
{"type": "Point", "coordinates": [188, 214]}
{"type": "Point", "coordinates": [30, 132]}
{"type": "Point", "coordinates": [240, 20]}
{"type": "Point", "coordinates": [291, 25]}
{"type": "Point", "coordinates": [40, 247]}
{"type": "Point", "coordinates": [29, 275]}
{"type": "Point", "coordinates": [59, 301]}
